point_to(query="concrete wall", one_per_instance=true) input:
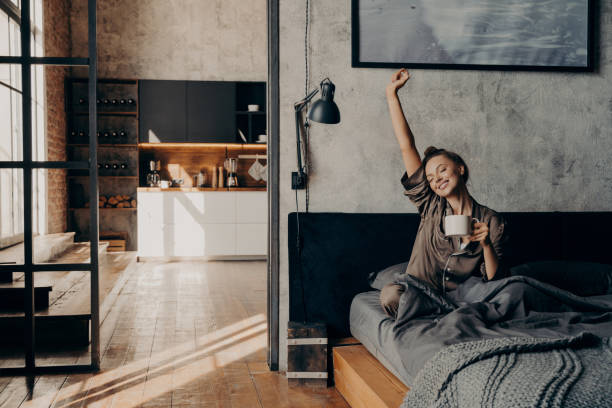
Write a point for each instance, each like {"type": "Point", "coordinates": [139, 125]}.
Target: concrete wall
{"type": "Point", "coordinates": [57, 44]}
{"type": "Point", "coordinates": [533, 141]}
{"type": "Point", "coordinates": [186, 40]}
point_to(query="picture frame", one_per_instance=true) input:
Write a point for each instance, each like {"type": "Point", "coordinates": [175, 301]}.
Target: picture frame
{"type": "Point", "coordinates": [517, 35]}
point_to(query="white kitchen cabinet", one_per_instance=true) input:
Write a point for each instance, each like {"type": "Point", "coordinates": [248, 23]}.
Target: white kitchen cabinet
{"type": "Point", "coordinates": [251, 239]}
{"type": "Point", "coordinates": [219, 240]}
{"type": "Point", "coordinates": [219, 207]}
{"type": "Point", "coordinates": [251, 207]}
{"type": "Point", "coordinates": [203, 223]}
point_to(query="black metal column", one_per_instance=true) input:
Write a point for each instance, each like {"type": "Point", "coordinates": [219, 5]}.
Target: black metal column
{"type": "Point", "coordinates": [26, 116]}
{"type": "Point", "coordinates": [93, 188]}
{"type": "Point", "coordinates": [273, 187]}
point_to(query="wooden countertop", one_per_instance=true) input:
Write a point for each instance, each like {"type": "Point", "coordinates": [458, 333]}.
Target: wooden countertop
{"type": "Point", "coordinates": [188, 189]}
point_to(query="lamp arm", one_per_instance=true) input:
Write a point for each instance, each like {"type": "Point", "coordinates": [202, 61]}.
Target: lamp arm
{"type": "Point", "coordinates": [299, 107]}
{"type": "Point", "coordinates": [298, 112]}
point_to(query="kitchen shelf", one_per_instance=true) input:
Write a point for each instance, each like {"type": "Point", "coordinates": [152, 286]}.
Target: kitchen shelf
{"type": "Point", "coordinates": [106, 113]}
{"type": "Point", "coordinates": [199, 145]}
{"type": "Point", "coordinates": [108, 145]}
{"type": "Point", "coordinates": [99, 176]}
{"type": "Point", "coordinates": [191, 189]}
{"type": "Point", "coordinates": [250, 112]}
{"type": "Point", "coordinates": [111, 149]}
{"type": "Point", "coordinates": [104, 209]}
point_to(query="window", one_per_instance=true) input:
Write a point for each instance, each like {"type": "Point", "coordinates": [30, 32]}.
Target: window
{"type": "Point", "coordinates": [11, 139]}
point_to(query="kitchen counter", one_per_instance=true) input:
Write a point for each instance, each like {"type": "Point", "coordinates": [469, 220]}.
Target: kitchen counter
{"type": "Point", "coordinates": [203, 222]}
{"type": "Point", "coordinates": [192, 189]}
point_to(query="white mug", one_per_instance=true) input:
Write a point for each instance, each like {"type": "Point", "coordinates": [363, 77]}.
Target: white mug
{"type": "Point", "coordinates": [252, 108]}
{"type": "Point", "coordinates": [458, 225]}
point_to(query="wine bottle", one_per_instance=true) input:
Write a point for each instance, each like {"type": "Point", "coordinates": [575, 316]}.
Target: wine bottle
{"type": "Point", "coordinates": [106, 101]}
{"type": "Point", "coordinates": [130, 101]}
{"type": "Point", "coordinates": [82, 101]}
{"type": "Point", "coordinates": [114, 133]}
{"type": "Point", "coordinates": [99, 165]}
{"type": "Point", "coordinates": [81, 133]}
{"type": "Point", "coordinates": [106, 134]}
{"type": "Point", "coordinates": [107, 166]}
{"type": "Point", "coordinates": [98, 134]}
{"type": "Point", "coordinates": [122, 101]}
{"type": "Point", "coordinates": [115, 166]}
{"type": "Point", "coordinates": [98, 101]}
{"type": "Point", "coordinates": [122, 133]}
{"type": "Point", "coordinates": [114, 101]}
{"type": "Point", "coordinates": [73, 133]}
{"type": "Point", "coordinates": [124, 166]}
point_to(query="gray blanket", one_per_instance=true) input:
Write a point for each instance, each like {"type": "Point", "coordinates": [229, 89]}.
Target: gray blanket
{"type": "Point", "coordinates": [512, 342]}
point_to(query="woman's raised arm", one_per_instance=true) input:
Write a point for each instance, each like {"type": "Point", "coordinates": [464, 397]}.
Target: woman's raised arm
{"type": "Point", "coordinates": [412, 159]}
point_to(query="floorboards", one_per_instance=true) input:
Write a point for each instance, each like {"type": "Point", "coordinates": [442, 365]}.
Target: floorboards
{"type": "Point", "coordinates": [178, 334]}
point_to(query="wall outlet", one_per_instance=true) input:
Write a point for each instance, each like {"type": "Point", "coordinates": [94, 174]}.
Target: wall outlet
{"type": "Point", "coordinates": [298, 181]}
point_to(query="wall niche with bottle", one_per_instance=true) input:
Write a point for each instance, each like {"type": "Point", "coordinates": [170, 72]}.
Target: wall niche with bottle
{"type": "Point", "coordinates": [118, 173]}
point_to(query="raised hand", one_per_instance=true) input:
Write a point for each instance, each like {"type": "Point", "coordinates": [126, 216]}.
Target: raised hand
{"type": "Point", "coordinates": [398, 79]}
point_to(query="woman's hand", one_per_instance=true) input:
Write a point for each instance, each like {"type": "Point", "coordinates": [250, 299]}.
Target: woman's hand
{"type": "Point", "coordinates": [398, 80]}
{"type": "Point", "coordinates": [480, 233]}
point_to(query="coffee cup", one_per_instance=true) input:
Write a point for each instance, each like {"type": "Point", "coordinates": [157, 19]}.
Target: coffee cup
{"type": "Point", "coordinates": [458, 225]}
{"type": "Point", "coordinates": [253, 108]}
{"type": "Point", "coordinates": [262, 138]}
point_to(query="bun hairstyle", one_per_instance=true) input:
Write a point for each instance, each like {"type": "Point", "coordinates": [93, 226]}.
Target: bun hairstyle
{"type": "Point", "coordinates": [432, 151]}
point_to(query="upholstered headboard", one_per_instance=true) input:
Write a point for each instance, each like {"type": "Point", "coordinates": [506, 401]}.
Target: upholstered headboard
{"type": "Point", "coordinates": [339, 250]}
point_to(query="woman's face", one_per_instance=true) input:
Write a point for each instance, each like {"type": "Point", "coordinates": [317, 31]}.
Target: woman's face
{"type": "Point", "coordinates": [443, 175]}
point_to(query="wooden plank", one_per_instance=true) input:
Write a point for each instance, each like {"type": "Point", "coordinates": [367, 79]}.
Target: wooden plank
{"type": "Point", "coordinates": [363, 381]}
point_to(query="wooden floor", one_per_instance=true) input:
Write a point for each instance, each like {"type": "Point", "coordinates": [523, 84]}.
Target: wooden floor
{"type": "Point", "coordinates": [181, 334]}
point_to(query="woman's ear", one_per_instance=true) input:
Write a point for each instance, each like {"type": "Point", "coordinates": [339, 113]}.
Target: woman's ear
{"type": "Point", "coordinates": [461, 170]}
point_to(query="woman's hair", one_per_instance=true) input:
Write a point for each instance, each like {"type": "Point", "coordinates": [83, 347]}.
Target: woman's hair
{"type": "Point", "coordinates": [432, 151]}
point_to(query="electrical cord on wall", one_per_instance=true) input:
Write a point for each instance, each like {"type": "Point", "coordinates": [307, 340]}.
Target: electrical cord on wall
{"type": "Point", "coordinates": [306, 87]}
{"type": "Point", "coordinates": [306, 165]}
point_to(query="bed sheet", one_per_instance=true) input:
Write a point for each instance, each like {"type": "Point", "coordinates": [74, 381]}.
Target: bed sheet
{"type": "Point", "coordinates": [374, 329]}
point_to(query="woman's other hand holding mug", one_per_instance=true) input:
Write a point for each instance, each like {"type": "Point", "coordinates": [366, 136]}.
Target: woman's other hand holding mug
{"type": "Point", "coordinates": [480, 233]}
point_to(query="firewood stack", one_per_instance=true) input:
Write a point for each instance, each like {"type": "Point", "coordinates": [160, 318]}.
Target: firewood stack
{"type": "Point", "coordinates": [116, 201]}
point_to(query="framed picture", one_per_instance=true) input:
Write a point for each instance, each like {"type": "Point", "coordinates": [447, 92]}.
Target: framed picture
{"type": "Point", "coordinates": [541, 35]}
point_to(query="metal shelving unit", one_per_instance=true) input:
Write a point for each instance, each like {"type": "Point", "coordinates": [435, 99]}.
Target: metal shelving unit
{"type": "Point", "coordinates": [26, 60]}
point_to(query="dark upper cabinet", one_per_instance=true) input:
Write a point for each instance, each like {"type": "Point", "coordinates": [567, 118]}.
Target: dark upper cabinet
{"type": "Point", "coordinates": [200, 111]}
{"type": "Point", "coordinates": [162, 111]}
{"type": "Point", "coordinates": [211, 110]}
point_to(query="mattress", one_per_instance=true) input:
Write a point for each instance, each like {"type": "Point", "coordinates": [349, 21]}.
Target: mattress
{"type": "Point", "coordinates": [374, 329]}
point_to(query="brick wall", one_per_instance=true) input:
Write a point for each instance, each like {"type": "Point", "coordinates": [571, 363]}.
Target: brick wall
{"type": "Point", "coordinates": [57, 43]}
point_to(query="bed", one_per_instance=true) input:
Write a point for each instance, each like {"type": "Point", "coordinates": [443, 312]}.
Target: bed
{"type": "Point", "coordinates": [337, 251]}
{"type": "Point", "coordinates": [519, 331]}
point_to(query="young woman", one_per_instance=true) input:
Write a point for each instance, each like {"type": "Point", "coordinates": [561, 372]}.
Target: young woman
{"type": "Point", "coordinates": [436, 184]}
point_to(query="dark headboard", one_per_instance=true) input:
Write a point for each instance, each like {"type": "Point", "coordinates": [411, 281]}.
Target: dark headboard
{"type": "Point", "coordinates": [339, 250]}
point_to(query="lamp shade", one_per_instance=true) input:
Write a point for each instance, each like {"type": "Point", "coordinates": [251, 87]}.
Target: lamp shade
{"type": "Point", "coordinates": [325, 109]}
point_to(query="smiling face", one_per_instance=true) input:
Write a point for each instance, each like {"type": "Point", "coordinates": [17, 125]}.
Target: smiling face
{"type": "Point", "coordinates": [443, 175]}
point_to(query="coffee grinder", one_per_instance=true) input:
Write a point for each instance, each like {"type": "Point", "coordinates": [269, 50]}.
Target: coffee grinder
{"type": "Point", "coordinates": [231, 165]}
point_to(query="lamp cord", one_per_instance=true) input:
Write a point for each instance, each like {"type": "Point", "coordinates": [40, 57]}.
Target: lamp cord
{"type": "Point", "coordinates": [306, 164]}
{"type": "Point", "coordinates": [306, 87]}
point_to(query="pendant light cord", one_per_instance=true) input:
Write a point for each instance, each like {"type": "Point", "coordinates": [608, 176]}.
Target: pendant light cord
{"type": "Point", "coordinates": [306, 87]}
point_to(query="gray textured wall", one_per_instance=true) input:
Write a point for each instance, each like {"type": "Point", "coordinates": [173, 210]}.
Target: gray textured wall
{"type": "Point", "coordinates": [533, 141]}
{"type": "Point", "coordinates": [178, 39]}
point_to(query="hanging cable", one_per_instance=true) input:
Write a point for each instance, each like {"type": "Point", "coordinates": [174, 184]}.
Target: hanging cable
{"type": "Point", "coordinates": [306, 87]}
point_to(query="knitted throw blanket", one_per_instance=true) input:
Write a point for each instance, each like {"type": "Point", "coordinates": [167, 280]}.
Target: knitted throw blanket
{"type": "Point", "coordinates": [517, 372]}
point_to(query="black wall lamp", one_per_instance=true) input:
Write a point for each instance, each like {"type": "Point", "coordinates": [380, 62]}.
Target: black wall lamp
{"type": "Point", "coordinates": [324, 110]}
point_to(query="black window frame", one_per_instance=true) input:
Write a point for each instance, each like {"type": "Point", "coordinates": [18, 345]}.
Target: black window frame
{"type": "Point", "coordinates": [29, 268]}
